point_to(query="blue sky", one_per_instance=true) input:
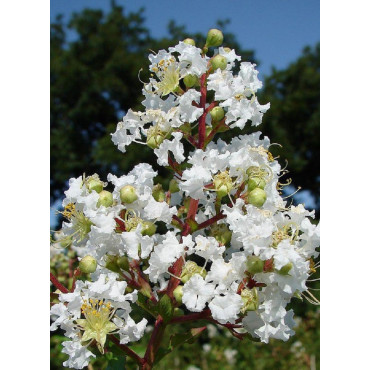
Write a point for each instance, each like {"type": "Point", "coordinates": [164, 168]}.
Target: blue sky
{"type": "Point", "coordinates": [276, 29]}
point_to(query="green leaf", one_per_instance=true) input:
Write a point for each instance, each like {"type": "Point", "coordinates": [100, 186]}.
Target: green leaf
{"type": "Point", "coordinates": [115, 362]}
{"type": "Point", "coordinates": [176, 340]}
{"type": "Point", "coordinates": [165, 308]}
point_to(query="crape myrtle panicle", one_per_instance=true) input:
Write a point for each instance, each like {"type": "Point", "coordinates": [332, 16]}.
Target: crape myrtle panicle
{"type": "Point", "coordinates": [232, 251]}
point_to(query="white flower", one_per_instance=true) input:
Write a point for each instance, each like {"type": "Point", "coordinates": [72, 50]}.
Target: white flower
{"type": "Point", "coordinates": [163, 256]}
{"type": "Point", "coordinates": [226, 308]}
{"type": "Point", "coordinates": [196, 293]}
{"type": "Point", "coordinates": [128, 130]}
{"type": "Point", "coordinates": [78, 355]}
{"type": "Point", "coordinates": [207, 247]}
{"type": "Point", "coordinates": [175, 146]}
{"type": "Point", "coordinates": [188, 112]}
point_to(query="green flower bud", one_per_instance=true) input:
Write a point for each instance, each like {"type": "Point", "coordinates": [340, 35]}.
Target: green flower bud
{"type": "Point", "coordinates": [256, 182]}
{"type": "Point", "coordinates": [285, 269]}
{"type": "Point", "coordinates": [190, 269]}
{"type": "Point", "coordinates": [218, 61]}
{"type": "Point", "coordinates": [174, 186]}
{"type": "Point", "coordinates": [95, 184]}
{"type": "Point", "coordinates": [123, 263]}
{"type": "Point", "coordinates": [178, 293]}
{"type": "Point", "coordinates": [128, 194]}
{"type": "Point", "coordinates": [250, 300]}
{"type": "Point", "coordinates": [223, 184]}
{"type": "Point", "coordinates": [148, 228]}
{"type": "Point", "coordinates": [105, 199]}
{"type": "Point", "coordinates": [257, 197]}
{"type": "Point", "coordinates": [254, 264]}
{"type": "Point", "coordinates": [186, 128]}
{"type": "Point", "coordinates": [189, 41]}
{"type": "Point", "coordinates": [217, 113]}
{"type": "Point", "coordinates": [88, 264]}
{"type": "Point", "coordinates": [190, 80]}
{"type": "Point", "coordinates": [111, 263]}
{"type": "Point", "coordinates": [214, 37]}
{"type": "Point", "coordinates": [154, 141]}
{"type": "Point", "coordinates": [221, 233]}
{"type": "Point", "coordinates": [158, 193]}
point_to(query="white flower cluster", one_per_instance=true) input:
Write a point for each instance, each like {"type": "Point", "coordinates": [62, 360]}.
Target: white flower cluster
{"type": "Point", "coordinates": [220, 241]}
{"type": "Point", "coordinates": [105, 308]}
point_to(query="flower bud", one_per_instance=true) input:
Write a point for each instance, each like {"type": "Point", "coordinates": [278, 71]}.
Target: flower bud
{"type": "Point", "coordinates": [217, 113]}
{"type": "Point", "coordinates": [256, 182]}
{"type": "Point", "coordinates": [178, 293]}
{"type": "Point", "coordinates": [111, 263]}
{"type": "Point", "coordinates": [105, 199]}
{"type": "Point", "coordinates": [257, 197]}
{"type": "Point", "coordinates": [221, 233]}
{"type": "Point", "coordinates": [174, 186]}
{"type": "Point", "coordinates": [189, 41]}
{"type": "Point", "coordinates": [190, 80]}
{"type": "Point", "coordinates": [254, 264]}
{"type": "Point", "coordinates": [154, 141]}
{"type": "Point", "coordinates": [148, 228]}
{"type": "Point", "coordinates": [218, 61]}
{"type": "Point", "coordinates": [214, 37]}
{"type": "Point", "coordinates": [123, 263]}
{"type": "Point", "coordinates": [190, 269]}
{"type": "Point", "coordinates": [285, 269]}
{"type": "Point", "coordinates": [128, 194]}
{"type": "Point", "coordinates": [250, 300]}
{"type": "Point", "coordinates": [158, 193]}
{"type": "Point", "coordinates": [95, 184]}
{"type": "Point", "coordinates": [223, 184]}
{"type": "Point", "coordinates": [186, 128]}
{"type": "Point", "coordinates": [88, 264]}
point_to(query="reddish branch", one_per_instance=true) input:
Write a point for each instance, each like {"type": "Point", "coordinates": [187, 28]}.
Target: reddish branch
{"type": "Point", "coordinates": [211, 221]}
{"type": "Point", "coordinates": [202, 120]}
{"type": "Point", "coordinates": [154, 343]}
{"type": "Point", "coordinates": [58, 284]}
{"type": "Point", "coordinates": [193, 208]}
{"type": "Point", "coordinates": [192, 317]}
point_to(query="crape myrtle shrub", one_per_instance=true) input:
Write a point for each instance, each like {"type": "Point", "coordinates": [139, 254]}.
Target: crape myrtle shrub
{"type": "Point", "coordinates": [220, 244]}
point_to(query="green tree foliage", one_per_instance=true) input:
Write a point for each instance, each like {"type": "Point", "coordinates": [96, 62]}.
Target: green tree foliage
{"type": "Point", "coordinates": [294, 117]}
{"type": "Point", "coordinates": [94, 81]}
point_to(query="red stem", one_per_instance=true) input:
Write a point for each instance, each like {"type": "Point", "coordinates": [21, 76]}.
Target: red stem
{"type": "Point", "coordinates": [77, 273]}
{"type": "Point", "coordinates": [211, 221]}
{"type": "Point", "coordinates": [193, 208]}
{"type": "Point", "coordinates": [192, 317]}
{"type": "Point", "coordinates": [154, 343]}
{"type": "Point", "coordinates": [58, 284]}
{"type": "Point", "coordinates": [127, 350]}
